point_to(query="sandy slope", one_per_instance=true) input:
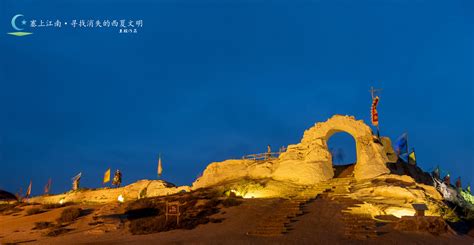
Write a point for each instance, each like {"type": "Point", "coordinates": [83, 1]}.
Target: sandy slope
{"type": "Point", "coordinates": [322, 224]}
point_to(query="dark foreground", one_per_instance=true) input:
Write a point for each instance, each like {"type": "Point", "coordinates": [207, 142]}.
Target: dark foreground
{"type": "Point", "coordinates": [253, 221]}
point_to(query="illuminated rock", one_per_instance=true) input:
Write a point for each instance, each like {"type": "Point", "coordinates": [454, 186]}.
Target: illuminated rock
{"type": "Point", "coordinates": [217, 172]}
{"type": "Point", "coordinates": [388, 149]}
{"type": "Point", "coordinates": [147, 188]}
{"type": "Point", "coordinates": [371, 157]}
{"type": "Point", "coordinates": [310, 161]}
{"type": "Point", "coordinates": [394, 194]}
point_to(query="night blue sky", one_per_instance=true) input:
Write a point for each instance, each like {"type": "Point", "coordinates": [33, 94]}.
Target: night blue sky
{"type": "Point", "coordinates": [206, 81]}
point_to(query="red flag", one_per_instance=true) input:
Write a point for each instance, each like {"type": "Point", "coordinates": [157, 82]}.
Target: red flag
{"type": "Point", "coordinates": [374, 114]}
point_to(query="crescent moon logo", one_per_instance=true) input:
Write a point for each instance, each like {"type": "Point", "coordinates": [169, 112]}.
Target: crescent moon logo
{"type": "Point", "coordinates": [14, 22]}
{"type": "Point", "coordinates": [18, 31]}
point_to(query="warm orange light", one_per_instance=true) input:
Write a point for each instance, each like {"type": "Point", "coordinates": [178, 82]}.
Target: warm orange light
{"type": "Point", "coordinates": [401, 212]}
{"type": "Point", "coordinates": [248, 194]}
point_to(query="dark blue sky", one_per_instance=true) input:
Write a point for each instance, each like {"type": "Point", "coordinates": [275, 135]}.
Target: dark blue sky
{"type": "Point", "coordinates": [205, 81]}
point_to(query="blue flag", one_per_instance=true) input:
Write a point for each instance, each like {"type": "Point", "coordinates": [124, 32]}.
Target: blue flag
{"type": "Point", "coordinates": [401, 145]}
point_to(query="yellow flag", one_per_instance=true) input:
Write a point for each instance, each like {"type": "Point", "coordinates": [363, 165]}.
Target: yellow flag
{"type": "Point", "coordinates": [160, 168]}
{"type": "Point", "coordinates": [412, 158]}
{"type": "Point", "coordinates": [107, 176]}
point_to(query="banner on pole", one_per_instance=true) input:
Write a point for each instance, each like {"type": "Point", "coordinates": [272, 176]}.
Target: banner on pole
{"type": "Point", "coordinates": [160, 167]}
{"type": "Point", "coordinates": [374, 114]}
{"type": "Point", "coordinates": [106, 176]}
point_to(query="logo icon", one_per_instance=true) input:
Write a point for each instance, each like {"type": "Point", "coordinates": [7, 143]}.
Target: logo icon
{"type": "Point", "coordinates": [19, 31]}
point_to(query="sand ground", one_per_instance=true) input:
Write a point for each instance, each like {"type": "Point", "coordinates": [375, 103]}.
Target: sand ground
{"type": "Point", "coordinates": [321, 224]}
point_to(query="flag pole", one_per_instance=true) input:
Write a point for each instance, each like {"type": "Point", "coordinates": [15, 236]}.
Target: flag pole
{"type": "Point", "coordinates": [372, 93]}
{"type": "Point", "coordinates": [408, 151]}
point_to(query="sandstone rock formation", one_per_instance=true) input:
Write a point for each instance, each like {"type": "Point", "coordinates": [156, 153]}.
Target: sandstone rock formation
{"type": "Point", "coordinates": [313, 150]}
{"type": "Point", "coordinates": [218, 172]}
{"type": "Point", "coordinates": [388, 149]}
{"type": "Point", "coordinates": [310, 161]}
{"type": "Point", "coordinates": [395, 194]}
{"type": "Point", "coordinates": [139, 189]}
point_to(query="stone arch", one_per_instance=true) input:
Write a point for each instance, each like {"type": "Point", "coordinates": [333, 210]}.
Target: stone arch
{"type": "Point", "coordinates": [312, 160]}
{"type": "Point", "coordinates": [371, 158]}
{"type": "Point", "coordinates": [342, 147]}
{"type": "Point", "coordinates": [309, 161]}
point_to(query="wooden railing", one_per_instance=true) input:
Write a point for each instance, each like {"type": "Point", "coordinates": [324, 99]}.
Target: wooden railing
{"type": "Point", "coordinates": [262, 156]}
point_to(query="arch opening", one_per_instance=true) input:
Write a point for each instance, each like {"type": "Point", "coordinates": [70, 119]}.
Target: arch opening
{"type": "Point", "coordinates": [342, 147]}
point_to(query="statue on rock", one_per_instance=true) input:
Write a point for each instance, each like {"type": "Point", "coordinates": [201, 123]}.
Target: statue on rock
{"type": "Point", "coordinates": [117, 181]}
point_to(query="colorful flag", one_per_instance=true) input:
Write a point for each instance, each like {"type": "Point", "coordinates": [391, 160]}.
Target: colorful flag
{"type": "Point", "coordinates": [28, 191]}
{"type": "Point", "coordinates": [47, 187]}
{"type": "Point", "coordinates": [401, 145]}
{"type": "Point", "coordinates": [374, 115]}
{"type": "Point", "coordinates": [106, 176]}
{"type": "Point", "coordinates": [160, 168]}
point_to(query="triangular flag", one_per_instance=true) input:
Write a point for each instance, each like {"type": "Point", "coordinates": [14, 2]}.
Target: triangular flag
{"type": "Point", "coordinates": [106, 176]}
{"type": "Point", "coordinates": [28, 191]}
{"type": "Point", "coordinates": [412, 158]}
{"type": "Point", "coordinates": [160, 168]}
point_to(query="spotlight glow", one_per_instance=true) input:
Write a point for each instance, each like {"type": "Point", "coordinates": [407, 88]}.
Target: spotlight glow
{"type": "Point", "coordinates": [401, 212]}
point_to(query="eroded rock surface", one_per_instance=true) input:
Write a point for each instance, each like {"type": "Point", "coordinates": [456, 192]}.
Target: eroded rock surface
{"type": "Point", "coordinates": [141, 188]}
{"type": "Point", "coordinates": [309, 162]}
